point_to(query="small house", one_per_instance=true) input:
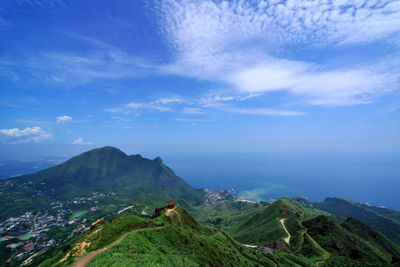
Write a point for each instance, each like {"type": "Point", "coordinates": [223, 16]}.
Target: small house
{"type": "Point", "coordinates": [29, 247]}
{"type": "Point", "coordinates": [170, 205]}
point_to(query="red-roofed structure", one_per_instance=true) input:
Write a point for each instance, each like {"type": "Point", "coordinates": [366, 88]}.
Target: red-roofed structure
{"type": "Point", "coordinates": [170, 204]}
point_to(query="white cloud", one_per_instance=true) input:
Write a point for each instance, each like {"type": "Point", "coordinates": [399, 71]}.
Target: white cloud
{"type": "Point", "coordinates": [258, 111]}
{"type": "Point", "coordinates": [79, 141]}
{"type": "Point", "coordinates": [135, 105]}
{"type": "Point", "coordinates": [63, 119]}
{"type": "Point", "coordinates": [319, 87]}
{"type": "Point", "coordinates": [128, 108]}
{"type": "Point", "coordinates": [194, 111]}
{"type": "Point", "coordinates": [193, 120]}
{"type": "Point", "coordinates": [218, 97]}
{"type": "Point", "coordinates": [170, 100]}
{"type": "Point", "coordinates": [203, 105]}
{"type": "Point", "coordinates": [102, 61]}
{"type": "Point", "coordinates": [232, 43]}
{"type": "Point", "coordinates": [163, 104]}
{"type": "Point", "coordinates": [28, 134]}
{"type": "Point", "coordinates": [305, 21]}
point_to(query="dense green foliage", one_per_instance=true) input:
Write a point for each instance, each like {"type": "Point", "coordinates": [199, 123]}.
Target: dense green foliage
{"type": "Point", "coordinates": [226, 215]}
{"type": "Point", "coordinates": [383, 220]}
{"type": "Point", "coordinates": [341, 242]}
{"type": "Point", "coordinates": [373, 237]}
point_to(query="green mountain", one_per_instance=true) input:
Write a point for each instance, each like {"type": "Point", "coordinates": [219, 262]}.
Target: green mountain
{"type": "Point", "coordinates": [103, 170]}
{"type": "Point", "coordinates": [384, 220]}
{"type": "Point", "coordinates": [315, 236]}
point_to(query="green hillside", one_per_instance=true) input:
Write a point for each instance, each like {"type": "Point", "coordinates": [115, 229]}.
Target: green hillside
{"type": "Point", "coordinates": [170, 238]}
{"type": "Point", "coordinates": [315, 236]}
{"type": "Point", "coordinates": [226, 215]}
{"type": "Point", "coordinates": [384, 220]}
{"type": "Point", "coordinates": [373, 237]}
{"type": "Point", "coordinates": [103, 170]}
{"type": "Point", "coordinates": [340, 242]}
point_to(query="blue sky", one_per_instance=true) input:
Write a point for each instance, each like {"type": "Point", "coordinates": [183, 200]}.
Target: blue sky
{"type": "Point", "coordinates": [179, 75]}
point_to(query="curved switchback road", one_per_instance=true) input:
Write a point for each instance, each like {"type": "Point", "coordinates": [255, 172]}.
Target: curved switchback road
{"type": "Point", "coordinates": [287, 239]}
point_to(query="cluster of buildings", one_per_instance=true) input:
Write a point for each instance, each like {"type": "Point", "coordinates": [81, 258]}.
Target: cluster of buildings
{"type": "Point", "coordinates": [28, 235]}
{"type": "Point", "coordinates": [212, 197]}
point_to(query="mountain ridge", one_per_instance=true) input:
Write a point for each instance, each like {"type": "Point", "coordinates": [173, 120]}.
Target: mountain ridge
{"type": "Point", "coordinates": [384, 220]}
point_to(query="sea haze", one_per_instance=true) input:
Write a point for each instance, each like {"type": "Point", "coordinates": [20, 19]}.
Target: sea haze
{"type": "Point", "coordinates": [12, 168]}
{"type": "Point", "coordinates": [366, 177]}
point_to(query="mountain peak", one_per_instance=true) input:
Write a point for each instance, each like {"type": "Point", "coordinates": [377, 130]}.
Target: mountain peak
{"type": "Point", "coordinates": [106, 149]}
{"type": "Point", "coordinates": [159, 160]}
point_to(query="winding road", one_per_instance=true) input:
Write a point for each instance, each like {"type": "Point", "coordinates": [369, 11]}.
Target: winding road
{"type": "Point", "coordinates": [287, 239]}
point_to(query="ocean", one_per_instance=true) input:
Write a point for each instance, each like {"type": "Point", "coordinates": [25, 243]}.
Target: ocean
{"type": "Point", "coordinates": [371, 177]}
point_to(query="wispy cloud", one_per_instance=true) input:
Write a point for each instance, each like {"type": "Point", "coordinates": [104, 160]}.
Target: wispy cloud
{"type": "Point", "coordinates": [80, 141]}
{"type": "Point", "coordinates": [195, 111]}
{"type": "Point", "coordinates": [204, 105]}
{"type": "Point", "coordinates": [134, 106]}
{"type": "Point", "coordinates": [121, 119]}
{"type": "Point", "coordinates": [171, 100]}
{"type": "Point", "coordinates": [193, 120]}
{"type": "Point", "coordinates": [32, 121]}
{"type": "Point", "coordinates": [100, 62]}
{"type": "Point", "coordinates": [234, 43]}
{"type": "Point", "coordinates": [257, 111]}
{"type": "Point", "coordinates": [28, 134]}
{"type": "Point", "coordinates": [63, 119]}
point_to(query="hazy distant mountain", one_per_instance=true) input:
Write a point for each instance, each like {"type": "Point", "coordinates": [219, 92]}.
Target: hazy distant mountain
{"type": "Point", "coordinates": [12, 168]}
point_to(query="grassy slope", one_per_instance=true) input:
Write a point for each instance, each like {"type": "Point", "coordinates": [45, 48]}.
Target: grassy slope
{"type": "Point", "coordinates": [382, 220]}
{"type": "Point", "coordinates": [226, 215]}
{"type": "Point", "coordinates": [315, 236]}
{"type": "Point", "coordinates": [264, 226]}
{"type": "Point", "coordinates": [177, 240]}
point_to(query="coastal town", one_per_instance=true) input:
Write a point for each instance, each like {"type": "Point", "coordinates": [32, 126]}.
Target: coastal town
{"type": "Point", "coordinates": [32, 233]}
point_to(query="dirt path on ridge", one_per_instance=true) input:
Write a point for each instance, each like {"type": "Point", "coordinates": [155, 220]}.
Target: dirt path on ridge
{"type": "Point", "coordinates": [81, 262]}
{"type": "Point", "coordinates": [287, 239]}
